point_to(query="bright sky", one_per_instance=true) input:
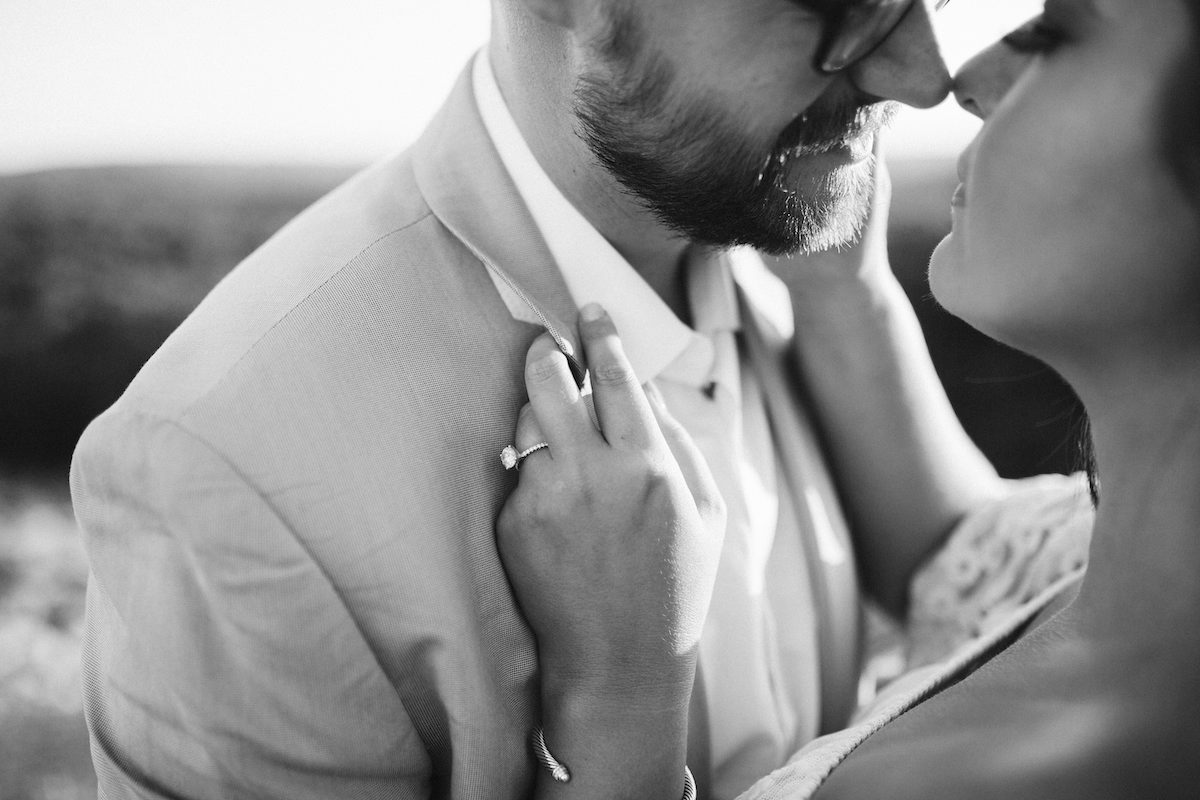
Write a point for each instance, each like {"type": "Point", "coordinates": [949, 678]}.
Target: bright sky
{"type": "Point", "coordinates": [108, 81]}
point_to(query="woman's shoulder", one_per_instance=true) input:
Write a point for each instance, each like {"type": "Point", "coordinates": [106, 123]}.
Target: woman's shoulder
{"type": "Point", "coordinates": [1046, 719]}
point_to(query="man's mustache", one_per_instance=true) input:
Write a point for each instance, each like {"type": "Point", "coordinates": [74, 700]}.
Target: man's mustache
{"type": "Point", "coordinates": [828, 124]}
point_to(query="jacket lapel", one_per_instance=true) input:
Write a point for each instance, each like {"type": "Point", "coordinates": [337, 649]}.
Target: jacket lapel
{"type": "Point", "coordinates": [467, 187]}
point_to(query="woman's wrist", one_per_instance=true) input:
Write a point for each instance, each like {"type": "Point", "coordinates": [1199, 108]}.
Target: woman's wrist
{"type": "Point", "coordinates": [651, 689]}
{"type": "Point", "coordinates": [617, 739]}
{"type": "Point", "coordinates": [846, 305]}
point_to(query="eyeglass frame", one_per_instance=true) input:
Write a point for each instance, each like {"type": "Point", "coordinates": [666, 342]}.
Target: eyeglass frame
{"type": "Point", "coordinates": [870, 13]}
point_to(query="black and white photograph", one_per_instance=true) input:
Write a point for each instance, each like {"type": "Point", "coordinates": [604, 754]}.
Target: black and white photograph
{"type": "Point", "coordinates": [600, 400]}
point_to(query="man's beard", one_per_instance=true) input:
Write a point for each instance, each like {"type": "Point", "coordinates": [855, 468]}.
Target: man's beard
{"type": "Point", "coordinates": [694, 167]}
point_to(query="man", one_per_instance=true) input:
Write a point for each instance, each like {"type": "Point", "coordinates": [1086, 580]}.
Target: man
{"type": "Point", "coordinates": [295, 590]}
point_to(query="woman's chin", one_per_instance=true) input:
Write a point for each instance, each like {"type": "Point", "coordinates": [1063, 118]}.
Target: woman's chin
{"type": "Point", "coordinates": [963, 290]}
{"type": "Point", "coordinates": [945, 271]}
{"type": "Point", "coordinates": [958, 288]}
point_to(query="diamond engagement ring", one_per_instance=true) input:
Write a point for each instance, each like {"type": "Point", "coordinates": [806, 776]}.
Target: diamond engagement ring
{"type": "Point", "coordinates": [511, 459]}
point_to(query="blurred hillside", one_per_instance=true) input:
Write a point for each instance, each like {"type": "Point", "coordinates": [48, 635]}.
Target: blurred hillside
{"type": "Point", "coordinates": [44, 751]}
{"type": "Point", "coordinates": [97, 266]}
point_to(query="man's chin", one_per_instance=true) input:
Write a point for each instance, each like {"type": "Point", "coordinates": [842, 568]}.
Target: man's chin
{"type": "Point", "coordinates": [832, 209]}
{"type": "Point", "coordinates": [835, 235]}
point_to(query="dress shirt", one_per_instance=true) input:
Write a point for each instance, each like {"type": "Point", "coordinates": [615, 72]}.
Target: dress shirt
{"type": "Point", "coordinates": [757, 652]}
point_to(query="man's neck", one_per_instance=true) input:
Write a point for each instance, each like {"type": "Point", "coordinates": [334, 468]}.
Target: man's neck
{"type": "Point", "coordinates": [540, 103]}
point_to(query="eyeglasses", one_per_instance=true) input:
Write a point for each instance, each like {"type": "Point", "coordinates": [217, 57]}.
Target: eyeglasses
{"type": "Point", "coordinates": [854, 29]}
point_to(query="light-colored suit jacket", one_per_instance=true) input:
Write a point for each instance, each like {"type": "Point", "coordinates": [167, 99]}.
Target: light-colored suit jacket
{"type": "Point", "coordinates": [295, 590]}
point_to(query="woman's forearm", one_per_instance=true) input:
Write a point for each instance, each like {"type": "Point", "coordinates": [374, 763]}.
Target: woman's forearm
{"type": "Point", "coordinates": [905, 466]}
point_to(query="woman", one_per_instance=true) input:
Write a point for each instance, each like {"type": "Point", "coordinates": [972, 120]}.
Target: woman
{"type": "Point", "coordinates": [1076, 238]}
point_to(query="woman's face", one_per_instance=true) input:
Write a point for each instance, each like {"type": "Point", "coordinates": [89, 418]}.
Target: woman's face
{"type": "Point", "coordinates": [1070, 230]}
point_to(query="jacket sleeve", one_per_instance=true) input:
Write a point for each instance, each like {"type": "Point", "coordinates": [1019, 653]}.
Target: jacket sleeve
{"type": "Point", "coordinates": [219, 659]}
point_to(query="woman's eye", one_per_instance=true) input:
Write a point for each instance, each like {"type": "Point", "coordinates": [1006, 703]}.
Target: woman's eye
{"type": "Point", "coordinates": [1035, 36]}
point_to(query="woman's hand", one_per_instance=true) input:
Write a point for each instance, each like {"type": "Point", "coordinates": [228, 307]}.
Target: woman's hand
{"type": "Point", "coordinates": [612, 537]}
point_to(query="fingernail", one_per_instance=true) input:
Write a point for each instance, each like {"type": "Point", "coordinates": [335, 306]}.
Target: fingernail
{"type": "Point", "coordinates": [592, 312]}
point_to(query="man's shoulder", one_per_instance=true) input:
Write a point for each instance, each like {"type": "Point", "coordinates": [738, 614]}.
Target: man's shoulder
{"type": "Point", "coordinates": [379, 201]}
{"type": "Point", "coordinates": [367, 323]}
{"type": "Point", "coordinates": [334, 265]}
{"type": "Point", "coordinates": [362, 327]}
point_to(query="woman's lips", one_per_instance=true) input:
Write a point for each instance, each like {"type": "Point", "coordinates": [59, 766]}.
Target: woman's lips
{"type": "Point", "coordinates": [959, 199]}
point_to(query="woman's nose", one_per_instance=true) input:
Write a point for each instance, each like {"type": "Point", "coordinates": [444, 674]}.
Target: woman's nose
{"type": "Point", "coordinates": [984, 80]}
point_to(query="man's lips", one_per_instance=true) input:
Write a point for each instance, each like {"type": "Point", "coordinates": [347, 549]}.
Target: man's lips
{"type": "Point", "coordinates": [830, 127]}
{"type": "Point", "coordinates": [856, 147]}
{"type": "Point", "coordinates": [818, 159]}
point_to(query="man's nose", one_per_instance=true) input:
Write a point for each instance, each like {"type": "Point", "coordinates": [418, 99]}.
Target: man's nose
{"type": "Point", "coordinates": [984, 80]}
{"type": "Point", "coordinates": [908, 65]}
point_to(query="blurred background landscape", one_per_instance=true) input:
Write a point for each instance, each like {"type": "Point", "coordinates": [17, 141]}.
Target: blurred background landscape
{"type": "Point", "coordinates": [131, 181]}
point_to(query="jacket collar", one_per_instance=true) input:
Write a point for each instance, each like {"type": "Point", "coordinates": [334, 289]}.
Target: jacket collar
{"type": "Point", "coordinates": [466, 186]}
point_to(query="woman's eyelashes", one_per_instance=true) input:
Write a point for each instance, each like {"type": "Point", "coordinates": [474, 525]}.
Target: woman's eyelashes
{"type": "Point", "coordinates": [1035, 36]}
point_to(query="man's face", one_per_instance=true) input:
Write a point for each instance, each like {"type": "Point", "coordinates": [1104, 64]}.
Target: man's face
{"type": "Point", "coordinates": [711, 114]}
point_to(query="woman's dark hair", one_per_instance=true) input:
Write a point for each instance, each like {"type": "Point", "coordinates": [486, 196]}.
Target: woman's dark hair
{"type": "Point", "coordinates": [1087, 454]}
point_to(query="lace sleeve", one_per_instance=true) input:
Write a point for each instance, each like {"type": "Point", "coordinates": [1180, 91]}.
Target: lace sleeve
{"type": "Point", "coordinates": [997, 559]}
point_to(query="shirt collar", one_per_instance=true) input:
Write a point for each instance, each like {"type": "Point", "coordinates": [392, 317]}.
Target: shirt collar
{"type": "Point", "coordinates": [593, 270]}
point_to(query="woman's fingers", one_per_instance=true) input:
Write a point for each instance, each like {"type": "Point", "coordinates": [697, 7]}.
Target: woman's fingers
{"type": "Point", "coordinates": [611, 550]}
{"type": "Point", "coordinates": [695, 469]}
{"type": "Point", "coordinates": [621, 405]}
{"type": "Point", "coordinates": [556, 401]}
{"type": "Point", "coordinates": [529, 434]}
{"type": "Point", "coordinates": [529, 431]}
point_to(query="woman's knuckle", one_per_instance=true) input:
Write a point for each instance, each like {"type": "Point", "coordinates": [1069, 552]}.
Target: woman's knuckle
{"type": "Point", "coordinates": [542, 369]}
{"type": "Point", "coordinates": [657, 483]}
{"type": "Point", "coordinates": [711, 506]}
{"type": "Point", "coordinates": [612, 375]}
